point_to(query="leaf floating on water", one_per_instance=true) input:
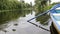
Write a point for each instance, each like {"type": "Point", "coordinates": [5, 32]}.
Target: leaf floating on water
{"type": "Point", "coordinates": [13, 29]}
{"type": "Point", "coordinates": [5, 31]}
{"type": "Point", "coordinates": [15, 24]}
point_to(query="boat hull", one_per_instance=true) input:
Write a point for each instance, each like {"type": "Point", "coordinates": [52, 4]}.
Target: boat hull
{"type": "Point", "coordinates": [55, 27]}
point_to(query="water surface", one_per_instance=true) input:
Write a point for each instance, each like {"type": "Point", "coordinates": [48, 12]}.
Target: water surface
{"type": "Point", "coordinates": [16, 23]}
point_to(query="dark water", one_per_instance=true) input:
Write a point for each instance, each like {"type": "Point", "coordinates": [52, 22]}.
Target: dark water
{"type": "Point", "coordinates": [15, 22]}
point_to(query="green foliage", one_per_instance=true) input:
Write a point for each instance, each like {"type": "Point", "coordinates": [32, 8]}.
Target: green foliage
{"type": "Point", "coordinates": [13, 4]}
{"type": "Point", "coordinates": [5, 5]}
{"type": "Point", "coordinates": [40, 5]}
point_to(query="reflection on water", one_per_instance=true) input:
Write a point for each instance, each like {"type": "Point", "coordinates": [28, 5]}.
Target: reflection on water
{"type": "Point", "coordinates": [43, 19]}
{"type": "Point", "coordinates": [15, 22]}
{"type": "Point", "coordinates": [11, 15]}
{"type": "Point", "coordinates": [13, 29]}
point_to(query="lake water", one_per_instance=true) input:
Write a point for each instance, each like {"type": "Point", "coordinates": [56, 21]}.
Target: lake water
{"type": "Point", "coordinates": [15, 22]}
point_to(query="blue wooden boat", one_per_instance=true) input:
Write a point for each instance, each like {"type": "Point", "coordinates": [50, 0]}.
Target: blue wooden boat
{"type": "Point", "coordinates": [55, 16]}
